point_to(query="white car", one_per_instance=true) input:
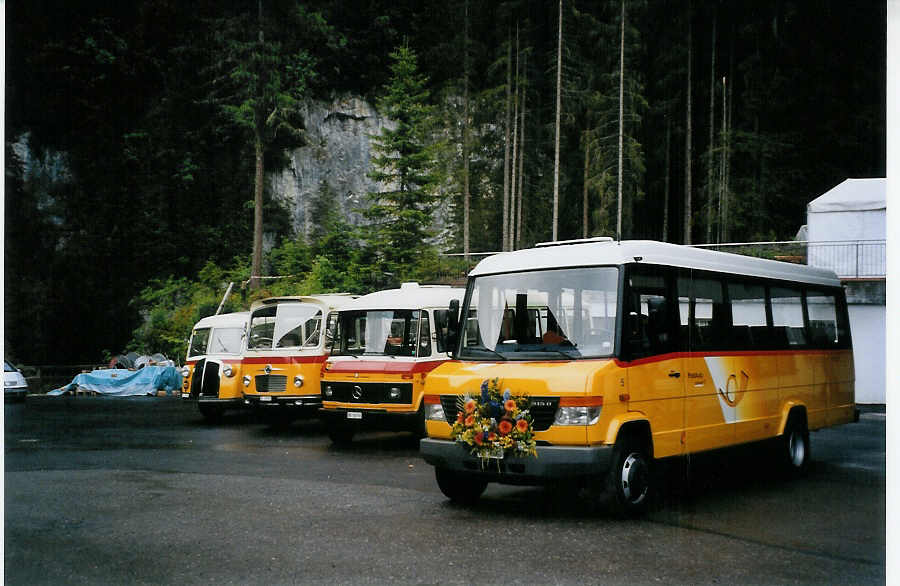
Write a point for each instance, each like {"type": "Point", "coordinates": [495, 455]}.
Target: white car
{"type": "Point", "coordinates": [15, 387]}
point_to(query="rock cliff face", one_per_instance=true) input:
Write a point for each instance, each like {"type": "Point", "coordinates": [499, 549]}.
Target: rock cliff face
{"type": "Point", "coordinates": [337, 155]}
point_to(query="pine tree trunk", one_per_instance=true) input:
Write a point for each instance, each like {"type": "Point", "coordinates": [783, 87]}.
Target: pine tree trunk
{"type": "Point", "coordinates": [505, 245]}
{"type": "Point", "coordinates": [621, 124]}
{"type": "Point", "coordinates": [687, 140]}
{"type": "Point", "coordinates": [584, 188]}
{"type": "Point", "coordinates": [465, 145]}
{"type": "Point", "coordinates": [712, 119]}
{"type": "Point", "coordinates": [521, 163]}
{"type": "Point", "coordinates": [256, 264]}
{"type": "Point", "coordinates": [665, 230]}
{"type": "Point", "coordinates": [556, 141]}
{"type": "Point", "coordinates": [515, 153]}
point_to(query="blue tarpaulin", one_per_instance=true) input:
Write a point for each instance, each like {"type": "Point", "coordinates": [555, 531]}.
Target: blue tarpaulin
{"type": "Point", "coordinates": [126, 383]}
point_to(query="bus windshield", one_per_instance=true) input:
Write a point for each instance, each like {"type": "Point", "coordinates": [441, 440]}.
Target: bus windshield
{"type": "Point", "coordinates": [391, 332]}
{"type": "Point", "coordinates": [545, 314]}
{"type": "Point", "coordinates": [285, 325]}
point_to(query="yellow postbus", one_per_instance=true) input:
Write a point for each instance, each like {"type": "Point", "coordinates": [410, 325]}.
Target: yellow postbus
{"type": "Point", "coordinates": [213, 364]}
{"type": "Point", "coordinates": [634, 351]}
{"type": "Point", "coordinates": [385, 345]}
{"type": "Point", "coordinates": [285, 349]}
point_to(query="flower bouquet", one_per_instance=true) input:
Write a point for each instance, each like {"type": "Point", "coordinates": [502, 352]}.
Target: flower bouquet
{"type": "Point", "coordinates": [494, 424]}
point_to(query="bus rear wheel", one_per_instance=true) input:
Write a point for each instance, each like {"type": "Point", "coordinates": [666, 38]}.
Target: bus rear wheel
{"type": "Point", "coordinates": [794, 451]}
{"type": "Point", "coordinates": [460, 488]}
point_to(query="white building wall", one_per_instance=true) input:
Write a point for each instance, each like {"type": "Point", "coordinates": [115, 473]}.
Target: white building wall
{"type": "Point", "coordinates": [867, 327]}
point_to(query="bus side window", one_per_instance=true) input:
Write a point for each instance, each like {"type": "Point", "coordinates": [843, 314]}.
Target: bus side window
{"type": "Point", "coordinates": [787, 317]}
{"type": "Point", "coordinates": [748, 314]}
{"type": "Point", "coordinates": [440, 328]}
{"type": "Point", "coordinates": [651, 317]}
{"type": "Point", "coordinates": [823, 324]}
{"type": "Point", "coordinates": [710, 317]}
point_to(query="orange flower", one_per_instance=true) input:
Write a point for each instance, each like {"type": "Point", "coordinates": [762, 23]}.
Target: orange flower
{"type": "Point", "coordinates": [470, 421]}
{"type": "Point", "coordinates": [470, 406]}
{"type": "Point", "coordinates": [505, 426]}
{"type": "Point", "coordinates": [522, 425]}
{"type": "Point", "coordinates": [509, 405]}
{"type": "Point", "coordinates": [459, 418]}
{"type": "Point", "coordinates": [479, 438]}
{"type": "Point", "coordinates": [492, 437]}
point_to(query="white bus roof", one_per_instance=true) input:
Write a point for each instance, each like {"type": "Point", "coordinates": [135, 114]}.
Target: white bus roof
{"type": "Point", "coordinates": [596, 252]}
{"type": "Point", "coordinates": [327, 300]}
{"type": "Point", "coordinates": [408, 296]}
{"type": "Point", "coordinates": [224, 320]}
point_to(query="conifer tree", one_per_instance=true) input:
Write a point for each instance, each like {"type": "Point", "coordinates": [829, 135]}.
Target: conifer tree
{"type": "Point", "coordinates": [404, 164]}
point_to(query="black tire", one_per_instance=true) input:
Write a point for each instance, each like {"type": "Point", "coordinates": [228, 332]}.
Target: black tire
{"type": "Point", "coordinates": [211, 413]}
{"type": "Point", "coordinates": [463, 489]}
{"type": "Point", "coordinates": [630, 479]}
{"type": "Point", "coordinates": [418, 427]}
{"type": "Point", "coordinates": [341, 434]}
{"type": "Point", "coordinates": [793, 447]}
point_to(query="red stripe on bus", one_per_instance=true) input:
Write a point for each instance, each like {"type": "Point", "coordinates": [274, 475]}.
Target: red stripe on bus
{"type": "Point", "coordinates": [284, 359]}
{"type": "Point", "coordinates": [386, 367]}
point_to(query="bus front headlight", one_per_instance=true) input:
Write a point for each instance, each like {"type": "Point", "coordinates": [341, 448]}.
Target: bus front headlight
{"type": "Point", "coordinates": [435, 412]}
{"type": "Point", "coordinates": [298, 381]}
{"type": "Point", "coordinates": [227, 370]}
{"type": "Point", "coordinates": [185, 371]}
{"type": "Point", "coordinates": [246, 380]}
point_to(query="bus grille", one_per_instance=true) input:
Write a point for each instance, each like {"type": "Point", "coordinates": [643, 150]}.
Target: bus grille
{"type": "Point", "coordinates": [543, 411]}
{"type": "Point", "coordinates": [271, 383]}
{"type": "Point", "coordinates": [210, 386]}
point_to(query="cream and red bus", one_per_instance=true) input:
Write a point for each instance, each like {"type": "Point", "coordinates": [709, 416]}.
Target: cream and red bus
{"type": "Point", "coordinates": [286, 346]}
{"type": "Point", "coordinates": [634, 351]}
{"type": "Point", "coordinates": [212, 370]}
{"type": "Point", "coordinates": [385, 344]}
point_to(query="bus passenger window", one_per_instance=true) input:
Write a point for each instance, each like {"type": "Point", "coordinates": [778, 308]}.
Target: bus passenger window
{"type": "Point", "coordinates": [823, 325]}
{"type": "Point", "coordinates": [787, 317]}
{"type": "Point", "coordinates": [749, 326]}
{"type": "Point", "coordinates": [711, 319]}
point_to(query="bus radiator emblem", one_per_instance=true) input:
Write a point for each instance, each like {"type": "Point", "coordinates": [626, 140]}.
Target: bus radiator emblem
{"type": "Point", "coordinates": [357, 392]}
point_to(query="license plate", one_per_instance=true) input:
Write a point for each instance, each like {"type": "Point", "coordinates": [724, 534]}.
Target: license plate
{"type": "Point", "coordinates": [265, 398]}
{"type": "Point", "coordinates": [185, 395]}
{"type": "Point", "coordinates": [354, 415]}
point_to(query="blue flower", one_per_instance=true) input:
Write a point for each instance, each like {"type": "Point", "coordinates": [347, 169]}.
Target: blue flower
{"type": "Point", "coordinates": [506, 395]}
{"type": "Point", "coordinates": [485, 395]}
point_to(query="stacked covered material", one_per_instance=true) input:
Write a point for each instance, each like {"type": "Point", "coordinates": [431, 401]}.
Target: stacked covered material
{"type": "Point", "coordinates": [123, 383]}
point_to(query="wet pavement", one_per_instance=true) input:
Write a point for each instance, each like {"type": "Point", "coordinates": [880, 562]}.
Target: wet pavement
{"type": "Point", "coordinates": [140, 490]}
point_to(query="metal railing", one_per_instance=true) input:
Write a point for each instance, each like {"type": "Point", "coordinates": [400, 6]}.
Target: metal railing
{"type": "Point", "coordinates": [850, 259]}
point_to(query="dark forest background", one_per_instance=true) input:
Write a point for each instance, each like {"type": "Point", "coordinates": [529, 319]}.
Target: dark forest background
{"type": "Point", "coordinates": [148, 209]}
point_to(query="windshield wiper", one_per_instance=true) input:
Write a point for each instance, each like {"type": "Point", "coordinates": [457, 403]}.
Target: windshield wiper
{"type": "Point", "coordinates": [486, 349]}
{"type": "Point", "coordinates": [576, 354]}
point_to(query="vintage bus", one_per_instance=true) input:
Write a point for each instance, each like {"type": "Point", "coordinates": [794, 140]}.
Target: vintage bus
{"type": "Point", "coordinates": [285, 349]}
{"type": "Point", "coordinates": [634, 351]}
{"type": "Point", "coordinates": [385, 344]}
{"type": "Point", "coordinates": [212, 370]}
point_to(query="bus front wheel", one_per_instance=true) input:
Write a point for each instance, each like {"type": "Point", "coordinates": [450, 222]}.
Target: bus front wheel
{"type": "Point", "coordinates": [630, 479]}
{"type": "Point", "coordinates": [459, 488]}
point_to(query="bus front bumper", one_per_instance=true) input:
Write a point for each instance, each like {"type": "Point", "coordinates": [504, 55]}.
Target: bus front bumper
{"type": "Point", "coordinates": [309, 403]}
{"type": "Point", "coordinates": [552, 462]}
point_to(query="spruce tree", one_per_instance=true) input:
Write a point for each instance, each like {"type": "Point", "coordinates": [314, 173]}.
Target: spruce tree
{"type": "Point", "coordinates": [404, 163]}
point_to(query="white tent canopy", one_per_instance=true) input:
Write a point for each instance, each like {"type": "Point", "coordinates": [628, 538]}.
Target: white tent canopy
{"type": "Point", "coordinates": [852, 210]}
{"type": "Point", "coordinates": [847, 227]}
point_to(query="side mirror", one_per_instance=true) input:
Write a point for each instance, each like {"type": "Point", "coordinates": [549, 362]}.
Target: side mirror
{"type": "Point", "coordinates": [453, 326]}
